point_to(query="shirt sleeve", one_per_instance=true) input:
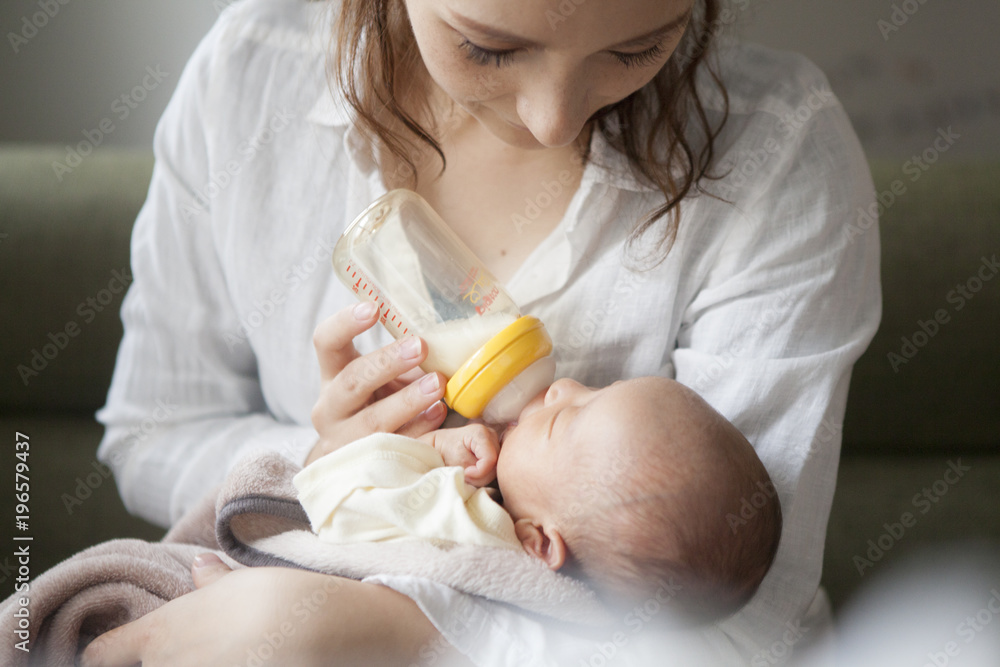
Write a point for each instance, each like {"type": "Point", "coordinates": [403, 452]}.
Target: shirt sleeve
{"type": "Point", "coordinates": [792, 300]}
{"type": "Point", "coordinates": [184, 403]}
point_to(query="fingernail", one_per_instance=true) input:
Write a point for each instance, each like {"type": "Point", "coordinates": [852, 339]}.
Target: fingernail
{"type": "Point", "coordinates": [410, 348]}
{"type": "Point", "coordinates": [363, 311]}
{"type": "Point", "coordinates": [429, 383]}
{"type": "Point", "coordinates": [434, 412]}
{"type": "Point", "coordinates": [203, 560]}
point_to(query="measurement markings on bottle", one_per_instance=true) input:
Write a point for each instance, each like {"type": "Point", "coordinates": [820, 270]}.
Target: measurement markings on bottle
{"type": "Point", "coordinates": [358, 287]}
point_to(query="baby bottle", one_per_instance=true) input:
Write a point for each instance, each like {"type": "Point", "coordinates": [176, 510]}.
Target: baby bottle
{"type": "Point", "coordinates": [401, 255]}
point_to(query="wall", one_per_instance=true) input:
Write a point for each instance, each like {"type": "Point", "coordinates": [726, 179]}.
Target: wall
{"type": "Point", "coordinates": [71, 73]}
{"type": "Point", "coordinates": [930, 64]}
{"type": "Point", "coordinates": [903, 69]}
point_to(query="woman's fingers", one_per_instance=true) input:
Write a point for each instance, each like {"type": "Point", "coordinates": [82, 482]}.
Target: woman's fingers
{"type": "Point", "coordinates": [405, 411]}
{"type": "Point", "coordinates": [120, 647]}
{"type": "Point", "coordinates": [427, 421]}
{"type": "Point", "coordinates": [360, 381]}
{"type": "Point", "coordinates": [334, 337]}
{"type": "Point", "coordinates": [208, 568]}
{"type": "Point", "coordinates": [386, 415]}
{"type": "Point", "coordinates": [403, 380]}
{"type": "Point", "coordinates": [383, 391]}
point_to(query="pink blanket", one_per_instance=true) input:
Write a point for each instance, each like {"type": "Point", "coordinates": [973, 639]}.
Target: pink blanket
{"type": "Point", "coordinates": [254, 519]}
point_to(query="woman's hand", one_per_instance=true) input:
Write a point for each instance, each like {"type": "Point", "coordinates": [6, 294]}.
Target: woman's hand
{"type": "Point", "coordinates": [474, 447]}
{"type": "Point", "coordinates": [271, 616]}
{"type": "Point", "coordinates": [383, 391]}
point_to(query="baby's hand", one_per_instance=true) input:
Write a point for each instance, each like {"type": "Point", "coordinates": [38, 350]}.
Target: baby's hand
{"type": "Point", "coordinates": [473, 447]}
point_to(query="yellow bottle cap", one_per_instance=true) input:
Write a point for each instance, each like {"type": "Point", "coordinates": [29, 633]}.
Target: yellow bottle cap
{"type": "Point", "coordinates": [496, 363]}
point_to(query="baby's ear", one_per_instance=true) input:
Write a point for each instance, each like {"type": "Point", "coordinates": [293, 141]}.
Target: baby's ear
{"type": "Point", "coordinates": [542, 543]}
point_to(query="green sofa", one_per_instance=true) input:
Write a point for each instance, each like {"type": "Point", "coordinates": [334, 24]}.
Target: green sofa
{"type": "Point", "coordinates": [920, 463]}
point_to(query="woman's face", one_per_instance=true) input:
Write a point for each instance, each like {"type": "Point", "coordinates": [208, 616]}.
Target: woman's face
{"type": "Point", "coordinates": [533, 72]}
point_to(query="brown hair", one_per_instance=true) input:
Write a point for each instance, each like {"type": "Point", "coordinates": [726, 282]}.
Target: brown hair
{"type": "Point", "coordinates": [651, 127]}
{"type": "Point", "coordinates": [670, 529]}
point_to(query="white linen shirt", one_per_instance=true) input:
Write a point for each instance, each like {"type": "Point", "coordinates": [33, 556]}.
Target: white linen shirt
{"type": "Point", "coordinates": [769, 295]}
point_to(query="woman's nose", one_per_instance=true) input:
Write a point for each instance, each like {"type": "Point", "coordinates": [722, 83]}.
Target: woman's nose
{"type": "Point", "coordinates": [554, 112]}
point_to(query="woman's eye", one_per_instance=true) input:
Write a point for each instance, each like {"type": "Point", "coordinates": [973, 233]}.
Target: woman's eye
{"type": "Point", "coordinates": [481, 56]}
{"type": "Point", "coordinates": [500, 58]}
{"type": "Point", "coordinates": [640, 59]}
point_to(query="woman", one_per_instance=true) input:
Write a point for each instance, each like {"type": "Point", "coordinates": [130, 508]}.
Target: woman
{"type": "Point", "coordinates": [659, 215]}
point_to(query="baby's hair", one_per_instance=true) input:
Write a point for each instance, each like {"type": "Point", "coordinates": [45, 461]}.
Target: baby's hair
{"type": "Point", "coordinates": [664, 529]}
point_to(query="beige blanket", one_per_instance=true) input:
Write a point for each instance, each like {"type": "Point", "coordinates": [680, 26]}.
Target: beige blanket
{"type": "Point", "coordinates": [254, 519]}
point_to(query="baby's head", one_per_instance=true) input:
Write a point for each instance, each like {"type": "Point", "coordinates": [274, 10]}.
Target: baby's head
{"type": "Point", "coordinates": [630, 487]}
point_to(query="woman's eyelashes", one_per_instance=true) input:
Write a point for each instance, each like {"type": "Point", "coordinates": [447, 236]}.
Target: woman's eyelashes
{"type": "Point", "coordinates": [481, 56]}
{"type": "Point", "coordinates": [503, 57]}
{"type": "Point", "coordinates": [640, 59]}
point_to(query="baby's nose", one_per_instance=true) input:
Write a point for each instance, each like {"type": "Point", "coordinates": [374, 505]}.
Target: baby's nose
{"type": "Point", "coordinates": [563, 388]}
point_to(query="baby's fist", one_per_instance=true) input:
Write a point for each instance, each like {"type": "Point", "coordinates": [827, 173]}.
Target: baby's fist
{"type": "Point", "coordinates": [473, 447]}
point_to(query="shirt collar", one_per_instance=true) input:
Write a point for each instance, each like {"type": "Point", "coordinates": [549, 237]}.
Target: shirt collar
{"type": "Point", "coordinates": [612, 167]}
{"type": "Point", "coordinates": [330, 109]}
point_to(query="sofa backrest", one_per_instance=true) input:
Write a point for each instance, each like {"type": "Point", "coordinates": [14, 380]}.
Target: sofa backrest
{"type": "Point", "coordinates": [930, 379]}
{"type": "Point", "coordinates": [64, 248]}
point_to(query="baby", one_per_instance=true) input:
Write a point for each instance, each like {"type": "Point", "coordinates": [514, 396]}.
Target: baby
{"type": "Point", "coordinates": [625, 487]}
